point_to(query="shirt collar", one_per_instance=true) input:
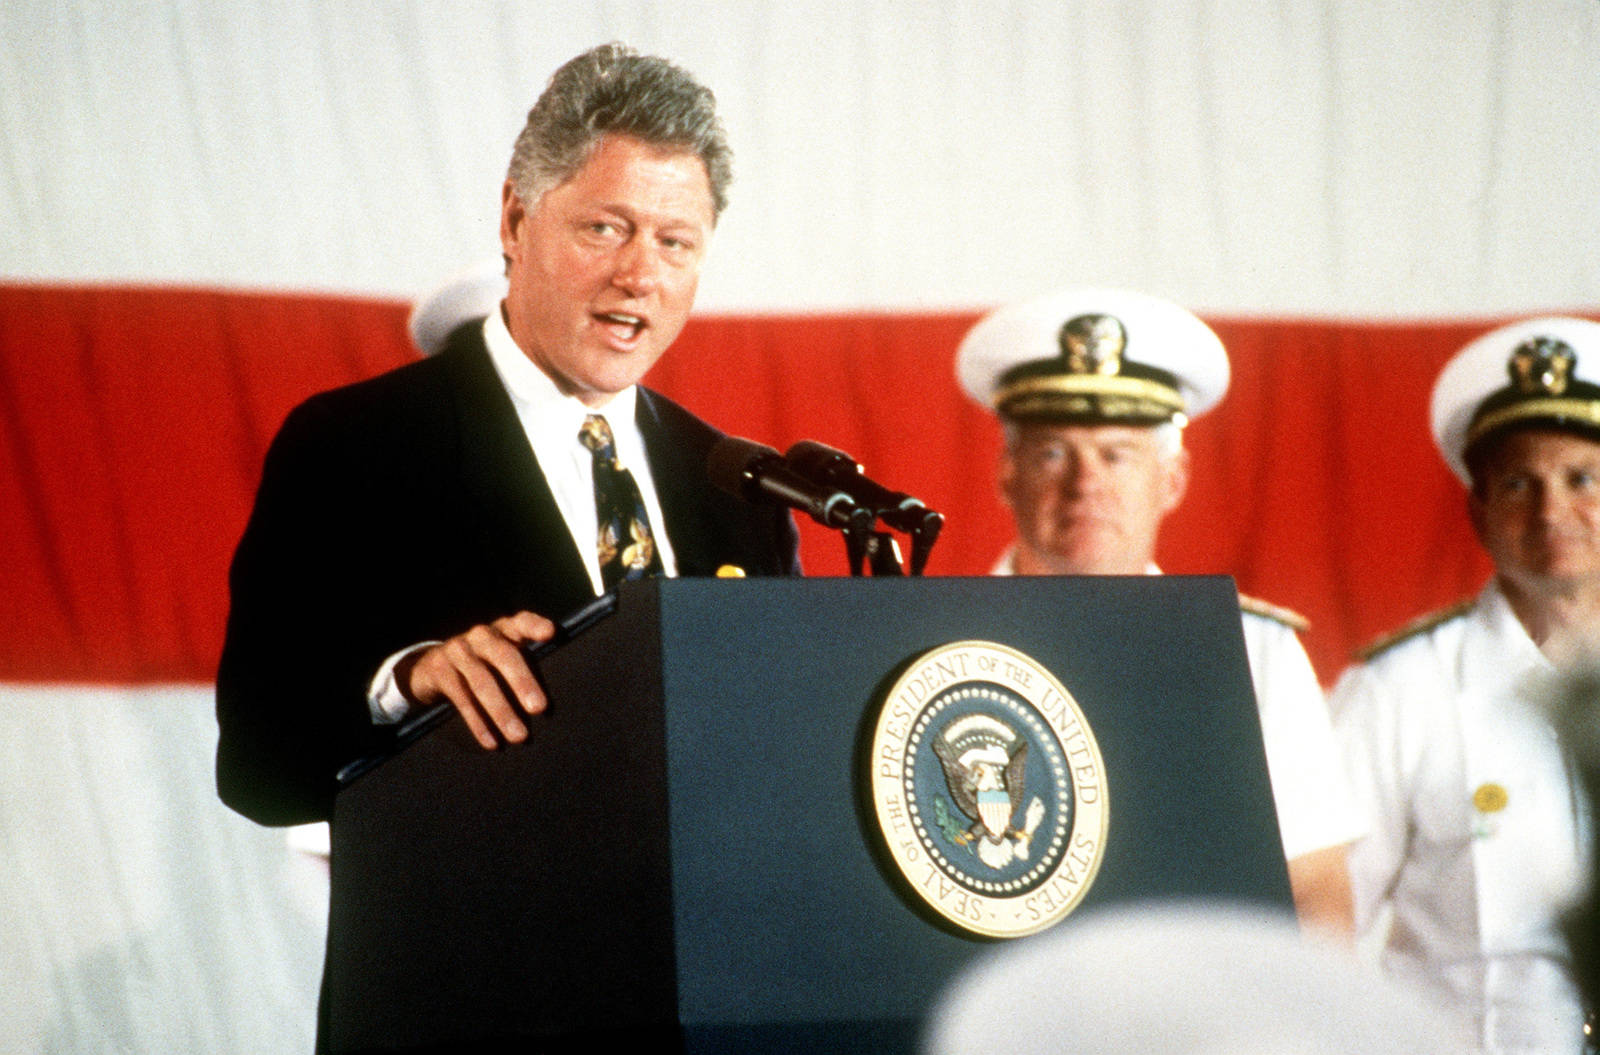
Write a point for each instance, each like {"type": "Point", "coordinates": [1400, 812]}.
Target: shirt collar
{"type": "Point", "coordinates": [1007, 564]}
{"type": "Point", "coordinates": [540, 404]}
{"type": "Point", "coordinates": [1515, 648]}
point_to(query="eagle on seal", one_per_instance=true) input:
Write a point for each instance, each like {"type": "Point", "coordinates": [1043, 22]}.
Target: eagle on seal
{"type": "Point", "coordinates": [985, 768]}
{"type": "Point", "coordinates": [986, 783]}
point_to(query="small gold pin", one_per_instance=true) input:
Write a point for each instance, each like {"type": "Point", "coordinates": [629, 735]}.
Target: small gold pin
{"type": "Point", "coordinates": [1490, 798]}
{"type": "Point", "coordinates": [730, 571]}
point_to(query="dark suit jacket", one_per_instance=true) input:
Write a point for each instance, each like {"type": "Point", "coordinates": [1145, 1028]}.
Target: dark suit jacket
{"type": "Point", "coordinates": [409, 508]}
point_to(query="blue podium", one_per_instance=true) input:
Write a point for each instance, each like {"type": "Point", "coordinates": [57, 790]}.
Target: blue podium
{"type": "Point", "coordinates": [685, 855]}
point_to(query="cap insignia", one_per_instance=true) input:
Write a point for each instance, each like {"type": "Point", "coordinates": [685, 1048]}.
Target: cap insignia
{"type": "Point", "coordinates": [1543, 364]}
{"type": "Point", "coordinates": [1090, 380]}
{"type": "Point", "coordinates": [1093, 344]}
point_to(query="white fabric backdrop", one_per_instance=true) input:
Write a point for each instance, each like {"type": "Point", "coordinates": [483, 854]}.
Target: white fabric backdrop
{"type": "Point", "coordinates": [138, 913]}
{"type": "Point", "coordinates": [1246, 156]}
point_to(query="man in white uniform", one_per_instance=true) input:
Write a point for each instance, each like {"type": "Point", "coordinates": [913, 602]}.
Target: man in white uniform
{"type": "Point", "coordinates": [1093, 388]}
{"type": "Point", "coordinates": [1475, 817]}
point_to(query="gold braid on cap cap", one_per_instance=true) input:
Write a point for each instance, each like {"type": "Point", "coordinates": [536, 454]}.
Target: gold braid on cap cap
{"type": "Point", "coordinates": [1090, 379]}
{"type": "Point", "coordinates": [1542, 388]}
{"type": "Point", "coordinates": [1110, 391]}
{"type": "Point", "coordinates": [1582, 411]}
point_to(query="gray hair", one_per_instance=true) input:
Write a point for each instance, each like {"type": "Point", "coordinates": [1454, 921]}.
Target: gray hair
{"type": "Point", "coordinates": [614, 89]}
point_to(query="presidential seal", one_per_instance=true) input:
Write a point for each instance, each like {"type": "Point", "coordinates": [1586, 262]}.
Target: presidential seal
{"type": "Point", "coordinates": [988, 789]}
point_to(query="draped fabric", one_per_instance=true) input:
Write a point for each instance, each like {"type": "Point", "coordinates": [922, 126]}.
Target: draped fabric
{"type": "Point", "coordinates": [1287, 157]}
{"type": "Point", "coordinates": [208, 212]}
{"type": "Point", "coordinates": [137, 420]}
{"type": "Point", "coordinates": [140, 914]}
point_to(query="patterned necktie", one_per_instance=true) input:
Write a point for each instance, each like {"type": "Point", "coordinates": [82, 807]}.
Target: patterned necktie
{"type": "Point", "coordinates": [627, 548]}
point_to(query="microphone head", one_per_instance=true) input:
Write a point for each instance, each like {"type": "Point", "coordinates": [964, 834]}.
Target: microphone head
{"type": "Point", "coordinates": [732, 462]}
{"type": "Point", "coordinates": [822, 462]}
{"type": "Point", "coordinates": [818, 461]}
{"type": "Point", "coordinates": [757, 473]}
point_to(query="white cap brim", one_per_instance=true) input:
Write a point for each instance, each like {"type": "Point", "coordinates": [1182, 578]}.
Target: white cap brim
{"type": "Point", "coordinates": [467, 295]}
{"type": "Point", "coordinates": [1159, 334]}
{"type": "Point", "coordinates": [1479, 370]}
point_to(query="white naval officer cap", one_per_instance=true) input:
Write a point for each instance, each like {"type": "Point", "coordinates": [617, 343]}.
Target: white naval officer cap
{"type": "Point", "coordinates": [1541, 372]}
{"type": "Point", "coordinates": [466, 295]}
{"type": "Point", "coordinates": [1093, 356]}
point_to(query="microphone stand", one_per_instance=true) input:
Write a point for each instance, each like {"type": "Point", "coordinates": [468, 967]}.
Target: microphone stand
{"type": "Point", "coordinates": [861, 541]}
{"type": "Point", "coordinates": [877, 551]}
{"type": "Point", "coordinates": [828, 486]}
{"type": "Point", "coordinates": [884, 553]}
{"type": "Point", "coordinates": [923, 536]}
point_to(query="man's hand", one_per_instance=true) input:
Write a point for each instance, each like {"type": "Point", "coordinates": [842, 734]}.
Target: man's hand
{"type": "Point", "coordinates": [1320, 884]}
{"type": "Point", "coordinates": [483, 675]}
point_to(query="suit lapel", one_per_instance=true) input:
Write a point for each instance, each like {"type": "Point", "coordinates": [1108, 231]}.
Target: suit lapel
{"type": "Point", "coordinates": [677, 465]}
{"type": "Point", "coordinates": [506, 494]}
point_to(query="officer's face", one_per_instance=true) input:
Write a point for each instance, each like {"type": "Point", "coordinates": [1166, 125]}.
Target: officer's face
{"type": "Point", "coordinates": [1089, 499]}
{"type": "Point", "coordinates": [1536, 508]}
{"type": "Point", "coordinates": [603, 268]}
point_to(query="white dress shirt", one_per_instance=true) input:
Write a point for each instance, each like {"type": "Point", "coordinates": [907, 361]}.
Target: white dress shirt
{"type": "Point", "coordinates": [551, 422]}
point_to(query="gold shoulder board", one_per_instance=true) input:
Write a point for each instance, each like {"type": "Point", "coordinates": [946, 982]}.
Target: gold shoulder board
{"type": "Point", "coordinates": [1287, 616]}
{"type": "Point", "coordinates": [1420, 625]}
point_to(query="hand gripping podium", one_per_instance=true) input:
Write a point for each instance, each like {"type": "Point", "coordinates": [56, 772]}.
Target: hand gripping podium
{"type": "Point", "coordinates": [689, 851]}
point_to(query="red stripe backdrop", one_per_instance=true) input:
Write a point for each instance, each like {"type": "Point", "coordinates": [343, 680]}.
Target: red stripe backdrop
{"type": "Point", "coordinates": [133, 422]}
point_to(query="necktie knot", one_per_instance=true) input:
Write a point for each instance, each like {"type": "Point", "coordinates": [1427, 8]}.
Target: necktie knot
{"type": "Point", "coordinates": [596, 436]}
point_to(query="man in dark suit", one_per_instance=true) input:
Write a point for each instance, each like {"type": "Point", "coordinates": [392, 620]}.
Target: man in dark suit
{"type": "Point", "coordinates": [413, 533]}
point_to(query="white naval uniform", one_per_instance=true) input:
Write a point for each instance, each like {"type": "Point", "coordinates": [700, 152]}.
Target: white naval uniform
{"type": "Point", "coordinates": [1315, 810]}
{"type": "Point", "coordinates": [1475, 824]}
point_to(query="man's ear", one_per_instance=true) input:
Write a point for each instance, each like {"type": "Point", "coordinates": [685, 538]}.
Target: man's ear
{"type": "Point", "coordinates": [1175, 480]}
{"type": "Point", "coordinates": [512, 215]}
{"type": "Point", "coordinates": [1005, 475]}
{"type": "Point", "coordinates": [1475, 512]}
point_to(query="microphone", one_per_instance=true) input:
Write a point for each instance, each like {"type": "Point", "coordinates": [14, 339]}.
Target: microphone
{"type": "Point", "coordinates": [755, 472]}
{"type": "Point", "coordinates": [834, 468]}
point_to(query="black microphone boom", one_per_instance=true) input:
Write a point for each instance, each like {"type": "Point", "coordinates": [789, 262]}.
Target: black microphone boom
{"type": "Point", "coordinates": [834, 468]}
{"type": "Point", "coordinates": [755, 472]}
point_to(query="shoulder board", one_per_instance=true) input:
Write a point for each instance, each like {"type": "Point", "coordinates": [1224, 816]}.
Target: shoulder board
{"type": "Point", "coordinates": [1418, 626]}
{"type": "Point", "coordinates": [1287, 616]}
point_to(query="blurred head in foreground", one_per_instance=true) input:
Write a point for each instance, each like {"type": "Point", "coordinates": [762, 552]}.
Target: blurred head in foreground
{"type": "Point", "coordinates": [1180, 979]}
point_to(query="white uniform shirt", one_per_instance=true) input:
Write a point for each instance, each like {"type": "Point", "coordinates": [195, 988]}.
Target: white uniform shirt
{"type": "Point", "coordinates": [1476, 824]}
{"type": "Point", "coordinates": [1315, 809]}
